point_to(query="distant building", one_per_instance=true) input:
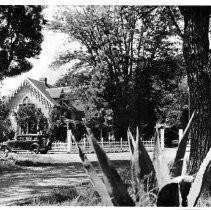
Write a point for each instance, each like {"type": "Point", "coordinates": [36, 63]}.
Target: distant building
{"type": "Point", "coordinates": [43, 96]}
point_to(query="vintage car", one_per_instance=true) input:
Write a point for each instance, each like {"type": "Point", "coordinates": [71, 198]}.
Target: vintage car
{"type": "Point", "coordinates": [36, 143]}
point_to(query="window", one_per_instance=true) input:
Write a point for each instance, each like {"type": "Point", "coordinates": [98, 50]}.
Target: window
{"type": "Point", "coordinates": [26, 101]}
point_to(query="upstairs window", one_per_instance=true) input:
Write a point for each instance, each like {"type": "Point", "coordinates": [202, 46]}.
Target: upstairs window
{"type": "Point", "coordinates": [26, 101]}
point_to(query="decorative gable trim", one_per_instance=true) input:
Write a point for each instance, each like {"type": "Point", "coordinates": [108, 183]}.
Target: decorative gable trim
{"type": "Point", "coordinates": [39, 92]}
{"type": "Point", "coordinates": [35, 92]}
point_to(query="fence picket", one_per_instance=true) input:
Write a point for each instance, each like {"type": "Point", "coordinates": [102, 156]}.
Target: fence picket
{"type": "Point", "coordinates": [110, 146]}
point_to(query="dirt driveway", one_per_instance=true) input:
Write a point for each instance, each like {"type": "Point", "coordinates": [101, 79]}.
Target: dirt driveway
{"type": "Point", "coordinates": [36, 180]}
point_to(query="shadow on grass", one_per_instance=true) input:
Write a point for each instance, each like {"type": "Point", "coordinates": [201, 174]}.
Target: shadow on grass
{"type": "Point", "coordinates": [64, 196]}
{"type": "Point", "coordinates": [34, 178]}
{"type": "Point", "coordinates": [54, 196]}
{"type": "Point", "coordinates": [30, 163]}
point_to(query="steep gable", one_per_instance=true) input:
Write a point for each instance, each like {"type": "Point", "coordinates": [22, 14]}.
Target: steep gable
{"type": "Point", "coordinates": [42, 88]}
{"type": "Point", "coordinates": [45, 96]}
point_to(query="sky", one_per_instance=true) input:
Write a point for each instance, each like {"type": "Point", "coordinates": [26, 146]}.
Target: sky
{"type": "Point", "coordinates": [52, 42]}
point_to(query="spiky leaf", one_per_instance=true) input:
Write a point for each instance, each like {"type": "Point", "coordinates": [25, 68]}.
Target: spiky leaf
{"type": "Point", "coordinates": [175, 192]}
{"type": "Point", "coordinates": [137, 134]}
{"type": "Point", "coordinates": [142, 164]}
{"type": "Point", "coordinates": [178, 161]}
{"type": "Point", "coordinates": [135, 183]}
{"type": "Point", "coordinates": [199, 181]}
{"type": "Point", "coordinates": [115, 186]}
{"type": "Point", "coordinates": [160, 165]}
{"type": "Point", "coordinates": [95, 179]}
{"type": "Point", "coordinates": [184, 168]}
{"type": "Point", "coordinates": [131, 141]}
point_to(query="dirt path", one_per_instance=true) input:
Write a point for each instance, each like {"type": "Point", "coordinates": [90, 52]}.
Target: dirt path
{"type": "Point", "coordinates": [36, 180]}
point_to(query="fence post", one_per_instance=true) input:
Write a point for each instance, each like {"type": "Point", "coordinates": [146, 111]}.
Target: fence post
{"type": "Point", "coordinates": [84, 143]}
{"type": "Point", "coordinates": [102, 142]}
{"type": "Point", "coordinates": [180, 134]}
{"type": "Point", "coordinates": [69, 141]}
{"type": "Point", "coordinates": [121, 144]}
{"type": "Point", "coordinates": [162, 131]}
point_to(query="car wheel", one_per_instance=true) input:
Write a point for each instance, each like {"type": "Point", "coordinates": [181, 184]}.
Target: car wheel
{"type": "Point", "coordinates": [43, 150]}
{"type": "Point", "coordinates": [35, 149]}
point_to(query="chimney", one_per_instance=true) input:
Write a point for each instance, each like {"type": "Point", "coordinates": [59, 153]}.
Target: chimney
{"type": "Point", "coordinates": [43, 80]}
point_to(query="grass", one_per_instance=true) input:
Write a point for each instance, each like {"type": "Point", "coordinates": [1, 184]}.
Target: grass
{"type": "Point", "coordinates": [7, 165]}
{"type": "Point", "coordinates": [205, 199]}
{"type": "Point", "coordinates": [64, 196]}
{"type": "Point", "coordinates": [83, 195]}
{"type": "Point", "coordinates": [30, 160]}
{"type": "Point", "coordinates": [87, 196]}
{"type": "Point", "coordinates": [14, 162]}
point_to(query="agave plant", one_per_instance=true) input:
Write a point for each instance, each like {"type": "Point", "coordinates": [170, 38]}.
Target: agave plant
{"type": "Point", "coordinates": [173, 187]}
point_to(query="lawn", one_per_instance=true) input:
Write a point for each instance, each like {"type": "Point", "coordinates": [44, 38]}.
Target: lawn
{"type": "Point", "coordinates": [61, 195]}
{"type": "Point", "coordinates": [80, 195]}
{"type": "Point", "coordinates": [7, 164]}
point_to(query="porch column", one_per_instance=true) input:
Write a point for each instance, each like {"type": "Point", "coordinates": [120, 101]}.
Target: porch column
{"type": "Point", "coordinates": [69, 136]}
{"type": "Point", "coordinates": [162, 132]}
{"type": "Point", "coordinates": [69, 141]}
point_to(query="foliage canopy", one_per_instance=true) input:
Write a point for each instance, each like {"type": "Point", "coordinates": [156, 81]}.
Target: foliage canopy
{"type": "Point", "coordinates": [127, 51]}
{"type": "Point", "coordinates": [20, 37]}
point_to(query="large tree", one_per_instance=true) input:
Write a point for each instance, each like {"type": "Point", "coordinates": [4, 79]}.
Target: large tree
{"type": "Point", "coordinates": [196, 55]}
{"type": "Point", "coordinates": [20, 37]}
{"type": "Point", "coordinates": [123, 46]}
{"type": "Point", "coordinates": [31, 119]}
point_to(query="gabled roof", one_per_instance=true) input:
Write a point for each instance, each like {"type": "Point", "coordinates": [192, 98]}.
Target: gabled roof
{"type": "Point", "coordinates": [55, 92]}
{"type": "Point", "coordinates": [42, 88]}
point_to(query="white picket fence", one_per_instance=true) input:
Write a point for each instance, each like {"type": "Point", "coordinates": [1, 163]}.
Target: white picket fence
{"type": "Point", "coordinates": [109, 146]}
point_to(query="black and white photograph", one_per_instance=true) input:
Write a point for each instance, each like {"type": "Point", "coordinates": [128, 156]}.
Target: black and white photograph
{"type": "Point", "coordinates": [105, 105]}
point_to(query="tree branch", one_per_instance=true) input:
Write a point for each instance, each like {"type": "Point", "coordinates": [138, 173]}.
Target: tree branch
{"type": "Point", "coordinates": [174, 22]}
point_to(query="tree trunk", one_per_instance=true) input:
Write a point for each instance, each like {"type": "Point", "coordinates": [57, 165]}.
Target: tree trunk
{"type": "Point", "coordinates": [143, 109]}
{"type": "Point", "coordinates": [195, 50]}
{"type": "Point", "coordinates": [120, 124]}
